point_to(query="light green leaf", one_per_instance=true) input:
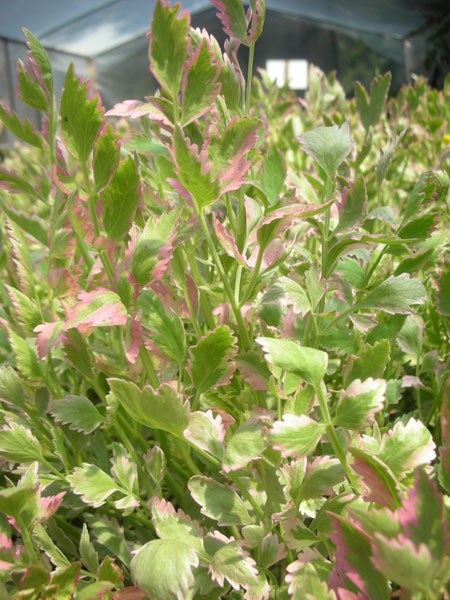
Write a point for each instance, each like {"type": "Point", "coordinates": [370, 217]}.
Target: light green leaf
{"type": "Point", "coordinates": [20, 503]}
{"type": "Point", "coordinates": [273, 174]}
{"type": "Point", "coordinates": [219, 502]}
{"type": "Point", "coordinates": [166, 328]}
{"type": "Point", "coordinates": [26, 358]}
{"type": "Point", "coordinates": [443, 293]}
{"type": "Point", "coordinates": [169, 45]}
{"type": "Point", "coordinates": [92, 484]}
{"type": "Point", "coordinates": [206, 432]}
{"type": "Point", "coordinates": [395, 295]}
{"type": "Point", "coordinates": [120, 199]}
{"type": "Point", "coordinates": [200, 87]}
{"type": "Point", "coordinates": [41, 58]}
{"type": "Point", "coordinates": [232, 563]}
{"type": "Point", "coordinates": [328, 146]}
{"type": "Point", "coordinates": [382, 486]}
{"type": "Point", "coordinates": [246, 444]}
{"type": "Point", "coordinates": [371, 362]}
{"type": "Point", "coordinates": [192, 174]}
{"type": "Point", "coordinates": [353, 205]}
{"type": "Point", "coordinates": [24, 310]}
{"type": "Point", "coordinates": [161, 409]}
{"type": "Point", "coordinates": [80, 118]}
{"type": "Point", "coordinates": [231, 14]}
{"type": "Point", "coordinates": [31, 224]}
{"type": "Point", "coordinates": [296, 436]}
{"type": "Point", "coordinates": [163, 568]}
{"type": "Point", "coordinates": [386, 158]}
{"type": "Point", "coordinates": [11, 390]}
{"type": "Point", "coordinates": [308, 363]}
{"type": "Point", "coordinates": [211, 359]}
{"type": "Point", "coordinates": [78, 412]}
{"type": "Point", "coordinates": [88, 554]}
{"type": "Point", "coordinates": [106, 157]}
{"type": "Point", "coordinates": [359, 403]}
{"type": "Point", "coordinates": [410, 337]}
{"type": "Point", "coordinates": [18, 444]}
{"type": "Point", "coordinates": [409, 566]}
{"type": "Point", "coordinates": [370, 109]}
{"type": "Point", "coordinates": [30, 91]}
{"type": "Point", "coordinates": [290, 293]}
{"type": "Point", "coordinates": [22, 129]}
{"type": "Point", "coordinates": [324, 473]}
{"type": "Point", "coordinates": [175, 525]}
{"type": "Point", "coordinates": [314, 285]}
{"type": "Point", "coordinates": [405, 447]}
{"type": "Point", "coordinates": [110, 535]}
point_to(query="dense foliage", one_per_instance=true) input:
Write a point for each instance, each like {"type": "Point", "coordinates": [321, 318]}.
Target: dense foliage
{"type": "Point", "coordinates": [225, 334]}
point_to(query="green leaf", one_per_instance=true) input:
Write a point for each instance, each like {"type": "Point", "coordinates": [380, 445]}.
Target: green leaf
{"type": "Point", "coordinates": [30, 91]}
{"type": "Point", "coordinates": [353, 205]}
{"type": "Point", "coordinates": [106, 157]}
{"type": "Point", "coordinates": [219, 502]}
{"type": "Point", "coordinates": [192, 175]}
{"type": "Point", "coordinates": [370, 109]}
{"type": "Point", "coordinates": [20, 503]}
{"type": "Point", "coordinates": [382, 486]}
{"type": "Point", "coordinates": [210, 363]}
{"type": "Point", "coordinates": [290, 293]}
{"type": "Point", "coordinates": [18, 444]}
{"type": "Point", "coordinates": [409, 566]}
{"type": "Point", "coordinates": [419, 228]}
{"type": "Point", "coordinates": [359, 403]}
{"type": "Point", "coordinates": [246, 444]}
{"type": "Point", "coordinates": [120, 199]}
{"type": "Point", "coordinates": [328, 146]}
{"type": "Point", "coordinates": [161, 409]}
{"type": "Point", "coordinates": [94, 591]}
{"type": "Point", "coordinates": [232, 563]}
{"type": "Point", "coordinates": [231, 14]}
{"type": "Point", "coordinates": [163, 568]}
{"type": "Point", "coordinates": [24, 310]}
{"type": "Point", "coordinates": [206, 432]}
{"type": "Point", "coordinates": [387, 329]}
{"type": "Point", "coordinates": [395, 295]}
{"type": "Point", "coordinates": [414, 263]}
{"type": "Point", "coordinates": [26, 358]}
{"type": "Point", "coordinates": [352, 271]}
{"type": "Point", "coordinates": [41, 58]}
{"type": "Point", "coordinates": [175, 525]}
{"type": "Point", "coordinates": [200, 86]}
{"type": "Point", "coordinates": [410, 337]}
{"type": "Point", "coordinates": [443, 293]}
{"type": "Point", "coordinates": [78, 412]}
{"type": "Point", "coordinates": [16, 183]}
{"type": "Point", "coordinates": [11, 390]}
{"type": "Point", "coordinates": [320, 477]}
{"type": "Point", "coordinates": [87, 551]}
{"type": "Point", "coordinates": [22, 129]}
{"type": "Point", "coordinates": [99, 308]}
{"type": "Point", "coordinates": [296, 436]}
{"type": "Point", "coordinates": [273, 174]}
{"type": "Point", "coordinates": [407, 446]}
{"type": "Point", "coordinates": [386, 159]}
{"type": "Point", "coordinates": [30, 224]}
{"type": "Point", "coordinates": [308, 363]}
{"type": "Point", "coordinates": [110, 535]}
{"type": "Point", "coordinates": [169, 45]}
{"type": "Point", "coordinates": [81, 118]}
{"type": "Point", "coordinates": [92, 484]}
{"type": "Point", "coordinates": [166, 327]}
{"type": "Point", "coordinates": [77, 352]}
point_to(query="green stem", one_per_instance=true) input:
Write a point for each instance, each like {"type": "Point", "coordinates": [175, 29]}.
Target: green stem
{"type": "Point", "coordinates": [374, 266]}
{"type": "Point", "coordinates": [249, 78]}
{"type": "Point", "coordinates": [321, 393]}
{"type": "Point", "coordinates": [255, 275]}
{"type": "Point", "coordinates": [198, 281]}
{"type": "Point", "coordinates": [148, 367]}
{"type": "Point", "coordinates": [229, 292]}
{"type": "Point", "coordinates": [258, 510]}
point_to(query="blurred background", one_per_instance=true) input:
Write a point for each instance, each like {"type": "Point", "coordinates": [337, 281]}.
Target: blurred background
{"type": "Point", "coordinates": [106, 41]}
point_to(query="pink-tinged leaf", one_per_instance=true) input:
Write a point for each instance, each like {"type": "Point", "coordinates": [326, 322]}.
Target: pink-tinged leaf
{"type": "Point", "coordinates": [228, 242]}
{"type": "Point", "coordinates": [259, 591]}
{"type": "Point", "coordinates": [253, 370]}
{"type": "Point", "coordinates": [232, 16]}
{"type": "Point", "coordinates": [401, 561]}
{"type": "Point", "coordinates": [246, 444]}
{"type": "Point", "coordinates": [353, 205]}
{"type": "Point", "coordinates": [229, 561]}
{"type": "Point", "coordinates": [129, 593]}
{"type": "Point", "coordinates": [200, 87]}
{"type": "Point", "coordinates": [48, 506]}
{"type": "Point", "coordinates": [169, 45]}
{"type": "Point", "coordinates": [353, 568]}
{"type": "Point", "coordinates": [22, 129]}
{"type": "Point", "coordinates": [381, 484]}
{"type": "Point", "coordinates": [226, 151]}
{"type": "Point", "coordinates": [422, 516]}
{"type": "Point", "coordinates": [176, 525]}
{"type": "Point", "coordinates": [445, 429]}
{"type": "Point", "coordinates": [64, 282]}
{"type": "Point", "coordinates": [136, 109]}
{"type": "Point", "coordinates": [206, 432]}
{"type": "Point", "coordinates": [50, 335]}
{"type": "Point", "coordinates": [295, 436]}
{"type": "Point", "coordinates": [132, 337]}
{"type": "Point", "coordinates": [100, 308]}
{"type": "Point", "coordinates": [359, 403]}
{"type": "Point", "coordinates": [406, 447]}
{"type": "Point", "coordinates": [257, 13]}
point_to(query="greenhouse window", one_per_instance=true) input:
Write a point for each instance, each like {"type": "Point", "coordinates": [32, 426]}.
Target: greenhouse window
{"type": "Point", "coordinates": [293, 72]}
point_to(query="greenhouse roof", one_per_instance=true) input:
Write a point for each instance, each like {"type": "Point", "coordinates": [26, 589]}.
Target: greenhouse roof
{"type": "Point", "coordinates": [92, 27]}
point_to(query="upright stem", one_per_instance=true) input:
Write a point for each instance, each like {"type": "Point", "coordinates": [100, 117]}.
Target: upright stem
{"type": "Point", "coordinates": [249, 78]}
{"type": "Point", "coordinates": [148, 367]}
{"type": "Point", "coordinates": [226, 284]}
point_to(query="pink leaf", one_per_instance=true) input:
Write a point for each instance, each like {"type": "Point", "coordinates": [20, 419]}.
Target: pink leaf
{"type": "Point", "coordinates": [48, 506]}
{"type": "Point", "coordinates": [99, 308]}
{"type": "Point", "coordinates": [50, 335]}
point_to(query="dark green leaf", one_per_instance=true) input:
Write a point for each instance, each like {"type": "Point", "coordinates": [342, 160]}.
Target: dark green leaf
{"type": "Point", "coordinates": [22, 129]}
{"type": "Point", "coordinates": [106, 157]}
{"type": "Point", "coordinates": [370, 109]}
{"type": "Point", "coordinates": [211, 357]}
{"type": "Point", "coordinates": [120, 199]}
{"type": "Point", "coordinates": [353, 205]}
{"type": "Point", "coordinates": [219, 502]}
{"type": "Point", "coordinates": [78, 412]}
{"type": "Point", "coordinates": [395, 295]}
